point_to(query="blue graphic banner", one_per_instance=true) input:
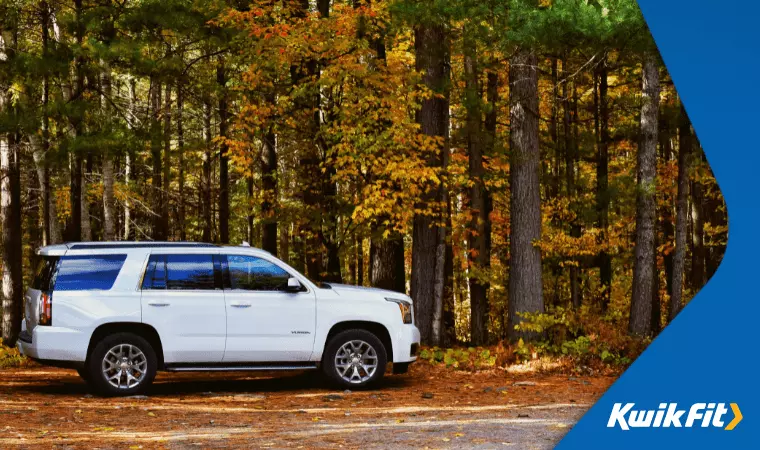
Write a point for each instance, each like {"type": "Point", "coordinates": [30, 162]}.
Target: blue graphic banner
{"type": "Point", "coordinates": [706, 360]}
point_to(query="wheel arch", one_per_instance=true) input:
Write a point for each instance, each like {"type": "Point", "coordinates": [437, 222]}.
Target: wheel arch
{"type": "Point", "coordinates": [143, 330]}
{"type": "Point", "coordinates": [375, 328]}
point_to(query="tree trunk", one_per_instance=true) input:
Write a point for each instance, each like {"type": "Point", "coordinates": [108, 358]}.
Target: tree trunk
{"type": "Point", "coordinates": [428, 244]}
{"type": "Point", "coordinates": [205, 206]}
{"type": "Point", "coordinates": [360, 261]}
{"type": "Point", "coordinates": [41, 147]}
{"type": "Point", "coordinates": [570, 123]}
{"type": "Point", "coordinates": [85, 203]}
{"type": "Point", "coordinates": [284, 232]}
{"type": "Point", "coordinates": [643, 273]}
{"type": "Point", "coordinates": [554, 132]}
{"type": "Point", "coordinates": [698, 237]}
{"type": "Point", "coordinates": [479, 254]}
{"type": "Point", "coordinates": [270, 192]}
{"type": "Point", "coordinates": [109, 208]}
{"type": "Point", "coordinates": [167, 164]}
{"type": "Point", "coordinates": [224, 182]}
{"type": "Point", "coordinates": [387, 262]}
{"type": "Point", "coordinates": [109, 228]}
{"type": "Point", "coordinates": [682, 211]}
{"type": "Point", "coordinates": [128, 166]}
{"type": "Point", "coordinates": [602, 185]}
{"type": "Point", "coordinates": [51, 229]}
{"type": "Point", "coordinates": [77, 189]}
{"type": "Point", "coordinates": [158, 232]}
{"type": "Point", "coordinates": [249, 184]}
{"type": "Point", "coordinates": [181, 161]}
{"type": "Point", "coordinates": [10, 217]}
{"type": "Point", "coordinates": [10, 206]}
{"type": "Point", "coordinates": [525, 284]}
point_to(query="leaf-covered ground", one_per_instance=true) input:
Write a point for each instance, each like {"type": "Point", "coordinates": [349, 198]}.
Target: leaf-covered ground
{"type": "Point", "coordinates": [431, 407]}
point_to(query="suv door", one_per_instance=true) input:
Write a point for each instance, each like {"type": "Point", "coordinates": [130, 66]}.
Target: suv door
{"type": "Point", "coordinates": [182, 298]}
{"type": "Point", "coordinates": [264, 323]}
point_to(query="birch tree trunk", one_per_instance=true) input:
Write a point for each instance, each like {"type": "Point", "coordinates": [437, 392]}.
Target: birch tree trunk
{"type": "Point", "coordinates": [10, 207]}
{"type": "Point", "coordinates": [10, 218]}
{"type": "Point", "coordinates": [643, 269]}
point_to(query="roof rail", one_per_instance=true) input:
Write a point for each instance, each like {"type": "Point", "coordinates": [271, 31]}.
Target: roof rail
{"type": "Point", "coordinates": [134, 244]}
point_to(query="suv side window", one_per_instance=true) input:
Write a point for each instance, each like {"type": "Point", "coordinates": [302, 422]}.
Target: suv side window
{"type": "Point", "coordinates": [87, 272]}
{"type": "Point", "coordinates": [181, 272]}
{"type": "Point", "coordinates": [249, 273]}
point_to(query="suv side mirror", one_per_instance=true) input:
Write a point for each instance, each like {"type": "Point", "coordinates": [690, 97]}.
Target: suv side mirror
{"type": "Point", "coordinates": [293, 285]}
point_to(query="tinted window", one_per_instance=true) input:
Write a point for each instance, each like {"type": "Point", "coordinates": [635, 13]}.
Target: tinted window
{"type": "Point", "coordinates": [43, 280]}
{"type": "Point", "coordinates": [255, 274]}
{"type": "Point", "coordinates": [185, 272]}
{"type": "Point", "coordinates": [88, 272]}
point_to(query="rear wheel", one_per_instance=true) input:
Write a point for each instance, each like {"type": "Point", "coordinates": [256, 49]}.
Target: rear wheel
{"type": "Point", "coordinates": [354, 359]}
{"type": "Point", "coordinates": [122, 364]}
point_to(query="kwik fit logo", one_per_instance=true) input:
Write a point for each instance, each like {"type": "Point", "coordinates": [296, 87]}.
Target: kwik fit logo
{"type": "Point", "coordinates": [669, 415]}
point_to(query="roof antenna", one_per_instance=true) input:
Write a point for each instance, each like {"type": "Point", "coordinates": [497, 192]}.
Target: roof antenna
{"type": "Point", "coordinates": [245, 244]}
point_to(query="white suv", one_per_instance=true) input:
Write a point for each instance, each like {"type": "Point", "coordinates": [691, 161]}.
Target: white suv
{"type": "Point", "coordinates": [120, 311]}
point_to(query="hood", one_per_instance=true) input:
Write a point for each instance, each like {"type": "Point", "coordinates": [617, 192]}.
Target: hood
{"type": "Point", "coordinates": [348, 289]}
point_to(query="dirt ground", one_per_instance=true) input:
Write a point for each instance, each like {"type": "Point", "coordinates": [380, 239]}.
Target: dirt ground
{"type": "Point", "coordinates": [430, 407]}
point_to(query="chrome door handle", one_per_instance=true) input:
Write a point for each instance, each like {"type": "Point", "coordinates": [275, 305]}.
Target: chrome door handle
{"type": "Point", "coordinates": [240, 304]}
{"type": "Point", "coordinates": [159, 303]}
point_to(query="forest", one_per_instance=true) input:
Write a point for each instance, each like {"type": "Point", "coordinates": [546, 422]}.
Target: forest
{"type": "Point", "coordinates": [524, 169]}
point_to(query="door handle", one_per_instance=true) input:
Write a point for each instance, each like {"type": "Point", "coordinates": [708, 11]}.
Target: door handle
{"type": "Point", "coordinates": [240, 304]}
{"type": "Point", "coordinates": [159, 303]}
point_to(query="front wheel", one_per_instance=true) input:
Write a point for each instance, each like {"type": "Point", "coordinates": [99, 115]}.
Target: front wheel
{"type": "Point", "coordinates": [122, 364]}
{"type": "Point", "coordinates": [84, 374]}
{"type": "Point", "coordinates": [354, 359]}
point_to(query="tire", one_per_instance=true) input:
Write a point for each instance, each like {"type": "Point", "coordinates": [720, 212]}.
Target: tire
{"type": "Point", "coordinates": [343, 365]}
{"type": "Point", "coordinates": [122, 355]}
{"type": "Point", "coordinates": [84, 374]}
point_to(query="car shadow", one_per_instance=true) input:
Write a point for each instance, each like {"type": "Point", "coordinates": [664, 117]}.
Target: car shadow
{"type": "Point", "coordinates": [168, 384]}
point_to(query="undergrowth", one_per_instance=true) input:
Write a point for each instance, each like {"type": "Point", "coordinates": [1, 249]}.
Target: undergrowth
{"type": "Point", "coordinates": [10, 357]}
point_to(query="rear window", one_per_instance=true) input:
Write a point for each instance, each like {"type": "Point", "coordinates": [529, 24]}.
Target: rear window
{"type": "Point", "coordinates": [88, 272]}
{"type": "Point", "coordinates": [181, 272]}
{"type": "Point", "coordinates": [43, 279]}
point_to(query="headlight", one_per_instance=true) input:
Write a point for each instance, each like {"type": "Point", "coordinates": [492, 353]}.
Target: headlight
{"type": "Point", "coordinates": [405, 307]}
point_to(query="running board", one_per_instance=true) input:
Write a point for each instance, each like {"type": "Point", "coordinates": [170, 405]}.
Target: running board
{"type": "Point", "coordinates": [220, 368]}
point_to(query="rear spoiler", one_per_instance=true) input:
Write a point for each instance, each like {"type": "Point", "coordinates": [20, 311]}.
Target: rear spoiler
{"type": "Point", "coordinates": [53, 250]}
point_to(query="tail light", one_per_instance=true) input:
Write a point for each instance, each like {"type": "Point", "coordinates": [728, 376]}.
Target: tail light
{"type": "Point", "coordinates": [46, 309]}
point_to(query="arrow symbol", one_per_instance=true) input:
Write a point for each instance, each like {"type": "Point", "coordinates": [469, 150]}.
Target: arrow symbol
{"type": "Point", "coordinates": [737, 417]}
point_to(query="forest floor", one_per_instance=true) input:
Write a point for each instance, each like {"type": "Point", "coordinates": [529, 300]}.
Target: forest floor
{"type": "Point", "coordinates": [430, 407]}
